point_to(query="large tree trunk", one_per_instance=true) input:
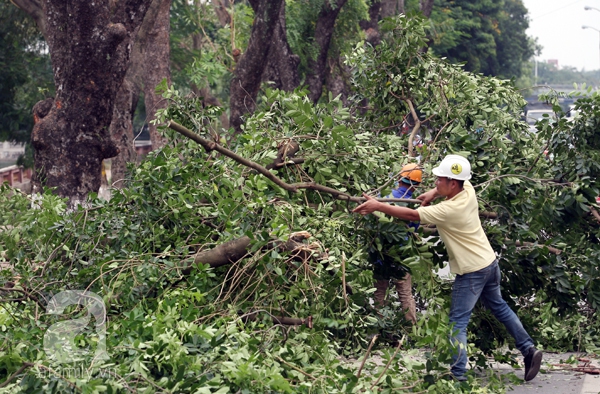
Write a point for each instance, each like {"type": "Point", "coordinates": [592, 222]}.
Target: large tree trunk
{"type": "Point", "coordinates": [156, 67]}
{"type": "Point", "coordinates": [391, 8]}
{"type": "Point", "coordinates": [121, 127]}
{"type": "Point", "coordinates": [282, 66]}
{"type": "Point", "coordinates": [121, 132]}
{"type": "Point", "coordinates": [426, 7]}
{"type": "Point", "coordinates": [323, 32]}
{"type": "Point", "coordinates": [248, 73]}
{"type": "Point", "coordinates": [337, 79]}
{"type": "Point", "coordinates": [90, 45]}
{"type": "Point", "coordinates": [371, 25]}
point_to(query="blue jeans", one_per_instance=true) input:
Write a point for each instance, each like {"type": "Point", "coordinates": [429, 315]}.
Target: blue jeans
{"type": "Point", "coordinates": [467, 289]}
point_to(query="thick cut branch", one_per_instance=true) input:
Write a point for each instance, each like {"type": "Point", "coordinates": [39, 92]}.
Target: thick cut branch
{"type": "Point", "coordinates": [234, 250]}
{"type": "Point", "coordinates": [488, 215]}
{"type": "Point", "coordinates": [286, 150]}
{"type": "Point", "coordinates": [226, 253]}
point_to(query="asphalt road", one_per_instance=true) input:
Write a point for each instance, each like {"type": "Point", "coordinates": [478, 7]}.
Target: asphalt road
{"type": "Point", "coordinates": [556, 377]}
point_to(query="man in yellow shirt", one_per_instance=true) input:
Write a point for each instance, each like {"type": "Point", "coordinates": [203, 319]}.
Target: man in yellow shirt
{"type": "Point", "coordinates": [470, 254]}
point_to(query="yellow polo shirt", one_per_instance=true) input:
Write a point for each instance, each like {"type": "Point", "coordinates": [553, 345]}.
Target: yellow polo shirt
{"type": "Point", "coordinates": [457, 222]}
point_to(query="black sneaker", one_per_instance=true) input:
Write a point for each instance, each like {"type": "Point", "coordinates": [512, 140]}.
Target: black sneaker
{"type": "Point", "coordinates": [533, 362]}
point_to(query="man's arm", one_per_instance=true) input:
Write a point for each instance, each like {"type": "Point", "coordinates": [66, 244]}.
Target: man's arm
{"type": "Point", "coordinates": [372, 205]}
{"type": "Point", "coordinates": [428, 196]}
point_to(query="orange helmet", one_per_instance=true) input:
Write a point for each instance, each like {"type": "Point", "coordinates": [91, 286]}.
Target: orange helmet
{"type": "Point", "coordinates": [411, 173]}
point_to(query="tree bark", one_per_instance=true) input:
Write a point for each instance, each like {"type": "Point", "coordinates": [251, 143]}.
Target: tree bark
{"type": "Point", "coordinates": [248, 73]}
{"type": "Point", "coordinates": [392, 8]}
{"type": "Point", "coordinates": [157, 66]}
{"type": "Point", "coordinates": [371, 25]}
{"type": "Point", "coordinates": [426, 7]}
{"type": "Point", "coordinates": [282, 66]}
{"type": "Point", "coordinates": [90, 46]}
{"type": "Point", "coordinates": [221, 8]}
{"type": "Point", "coordinates": [232, 251]}
{"type": "Point", "coordinates": [121, 133]}
{"type": "Point", "coordinates": [323, 31]}
{"type": "Point", "coordinates": [336, 80]}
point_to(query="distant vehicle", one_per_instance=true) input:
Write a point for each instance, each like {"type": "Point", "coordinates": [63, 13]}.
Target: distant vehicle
{"type": "Point", "coordinates": [572, 113]}
{"type": "Point", "coordinates": [533, 115]}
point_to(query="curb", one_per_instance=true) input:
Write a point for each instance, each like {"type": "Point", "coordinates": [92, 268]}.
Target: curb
{"type": "Point", "coordinates": [591, 384]}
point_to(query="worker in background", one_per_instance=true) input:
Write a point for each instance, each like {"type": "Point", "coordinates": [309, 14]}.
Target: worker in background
{"type": "Point", "coordinates": [470, 255]}
{"type": "Point", "coordinates": [388, 272]}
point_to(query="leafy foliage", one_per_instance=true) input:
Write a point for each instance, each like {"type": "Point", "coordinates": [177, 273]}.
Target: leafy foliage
{"type": "Point", "coordinates": [180, 325]}
{"type": "Point", "coordinates": [488, 36]}
{"type": "Point", "coordinates": [26, 75]}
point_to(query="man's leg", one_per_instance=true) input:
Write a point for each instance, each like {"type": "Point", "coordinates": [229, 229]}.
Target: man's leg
{"type": "Point", "coordinates": [465, 293]}
{"type": "Point", "coordinates": [404, 290]}
{"type": "Point", "coordinates": [492, 299]}
{"type": "Point", "coordinates": [381, 286]}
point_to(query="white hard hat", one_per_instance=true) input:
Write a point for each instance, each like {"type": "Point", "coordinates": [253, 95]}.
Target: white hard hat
{"type": "Point", "coordinates": [454, 167]}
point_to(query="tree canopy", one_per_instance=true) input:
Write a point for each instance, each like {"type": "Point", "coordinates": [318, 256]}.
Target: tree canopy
{"type": "Point", "coordinates": [488, 36]}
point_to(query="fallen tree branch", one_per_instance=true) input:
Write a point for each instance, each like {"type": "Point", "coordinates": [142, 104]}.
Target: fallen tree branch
{"type": "Point", "coordinates": [488, 215]}
{"type": "Point", "coordinates": [295, 368]}
{"type": "Point", "coordinates": [415, 129]}
{"type": "Point", "coordinates": [14, 375]}
{"type": "Point", "coordinates": [211, 145]}
{"type": "Point", "coordinates": [286, 321]}
{"type": "Point", "coordinates": [27, 294]}
{"type": "Point", "coordinates": [232, 251]}
{"type": "Point", "coordinates": [225, 253]}
{"type": "Point", "coordinates": [389, 362]}
{"type": "Point", "coordinates": [286, 150]}
{"type": "Point", "coordinates": [550, 248]}
{"type": "Point", "coordinates": [362, 364]}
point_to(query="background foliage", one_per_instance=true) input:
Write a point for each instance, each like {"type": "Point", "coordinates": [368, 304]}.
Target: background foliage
{"type": "Point", "coordinates": [26, 76]}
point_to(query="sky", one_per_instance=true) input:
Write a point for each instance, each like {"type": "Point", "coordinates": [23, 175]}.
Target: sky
{"type": "Point", "coordinates": [557, 24]}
